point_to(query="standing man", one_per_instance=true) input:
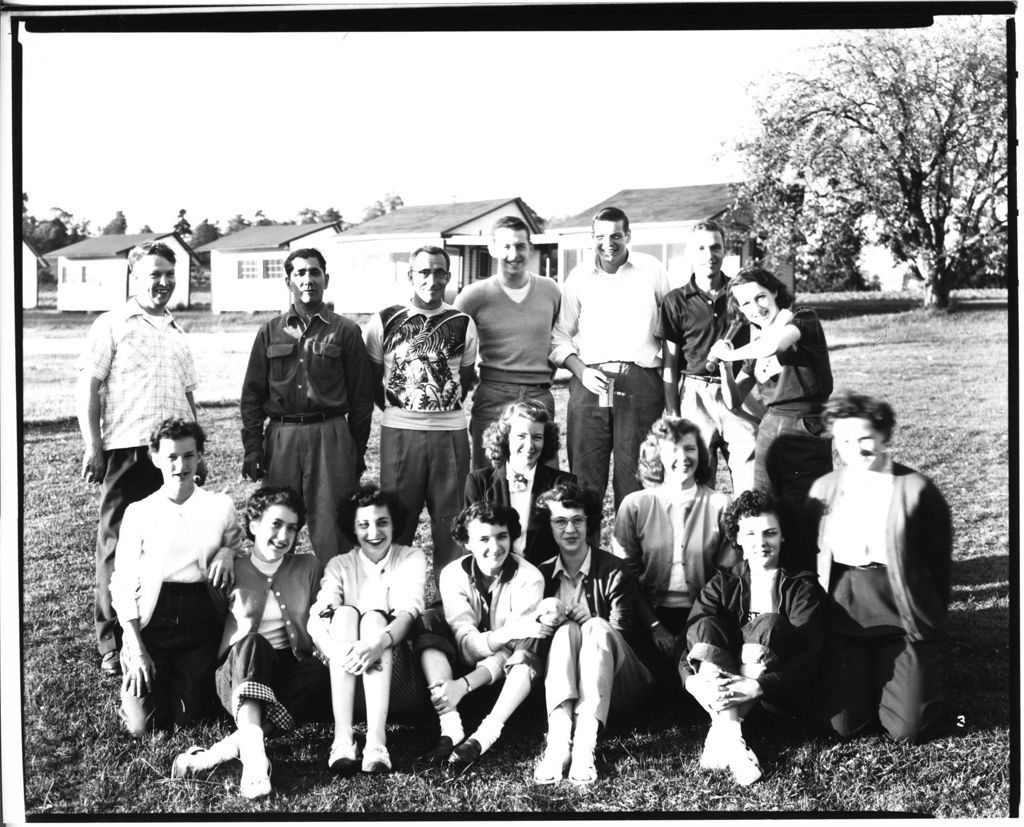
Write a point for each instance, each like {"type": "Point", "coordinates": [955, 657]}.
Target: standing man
{"type": "Point", "coordinates": [309, 375]}
{"type": "Point", "coordinates": [136, 371]}
{"type": "Point", "coordinates": [422, 355]}
{"type": "Point", "coordinates": [608, 335]}
{"type": "Point", "coordinates": [693, 318]}
{"type": "Point", "coordinates": [514, 312]}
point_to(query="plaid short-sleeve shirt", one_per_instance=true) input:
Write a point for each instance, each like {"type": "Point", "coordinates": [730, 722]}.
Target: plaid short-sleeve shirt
{"type": "Point", "coordinates": [145, 368]}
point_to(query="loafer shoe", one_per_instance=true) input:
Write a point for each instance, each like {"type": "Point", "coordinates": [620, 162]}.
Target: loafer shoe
{"type": "Point", "coordinates": [582, 770]}
{"type": "Point", "coordinates": [376, 759]}
{"type": "Point", "coordinates": [552, 766]}
{"type": "Point", "coordinates": [466, 753]}
{"type": "Point", "coordinates": [441, 751]}
{"type": "Point", "coordinates": [344, 758]}
{"type": "Point", "coordinates": [110, 665]}
{"type": "Point", "coordinates": [255, 785]}
{"type": "Point", "coordinates": [183, 766]}
{"type": "Point", "coordinates": [746, 769]}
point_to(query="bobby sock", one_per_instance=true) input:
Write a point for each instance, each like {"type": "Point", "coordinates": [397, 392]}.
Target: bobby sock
{"type": "Point", "coordinates": [451, 725]}
{"type": "Point", "coordinates": [487, 733]}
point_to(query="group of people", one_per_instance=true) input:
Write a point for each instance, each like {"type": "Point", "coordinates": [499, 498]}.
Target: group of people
{"type": "Point", "coordinates": [807, 589]}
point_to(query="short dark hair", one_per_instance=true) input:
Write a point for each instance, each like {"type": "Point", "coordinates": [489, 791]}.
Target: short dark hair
{"type": "Point", "coordinates": [650, 469]}
{"type": "Point", "coordinates": [769, 281]}
{"type": "Point", "coordinates": [752, 503]}
{"type": "Point", "coordinates": [149, 248]}
{"type": "Point", "coordinates": [511, 222]}
{"type": "Point", "coordinates": [364, 497]}
{"type": "Point", "coordinates": [610, 214]}
{"type": "Point", "coordinates": [571, 495]}
{"type": "Point", "coordinates": [850, 405]}
{"type": "Point", "coordinates": [495, 438]}
{"type": "Point", "coordinates": [710, 225]}
{"type": "Point", "coordinates": [177, 428]}
{"type": "Point", "coordinates": [431, 250]}
{"type": "Point", "coordinates": [305, 252]}
{"type": "Point", "coordinates": [489, 513]}
{"type": "Point", "coordinates": [270, 495]}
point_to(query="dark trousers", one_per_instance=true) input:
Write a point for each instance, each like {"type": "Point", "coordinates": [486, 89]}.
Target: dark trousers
{"type": "Point", "coordinates": [130, 476]}
{"type": "Point", "coordinates": [790, 454]}
{"type": "Point", "coordinates": [182, 638]}
{"type": "Point", "coordinates": [596, 434]}
{"type": "Point", "coordinates": [291, 690]}
{"type": "Point", "coordinates": [890, 679]}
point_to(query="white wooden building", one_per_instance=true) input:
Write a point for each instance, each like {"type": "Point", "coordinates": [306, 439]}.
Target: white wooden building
{"type": "Point", "coordinates": [247, 267]}
{"type": "Point", "coordinates": [660, 221]}
{"type": "Point", "coordinates": [369, 262]}
{"type": "Point", "coordinates": [92, 275]}
{"type": "Point", "coordinates": [30, 263]}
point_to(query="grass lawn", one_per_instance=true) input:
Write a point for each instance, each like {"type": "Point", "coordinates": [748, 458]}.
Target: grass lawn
{"type": "Point", "coordinates": [946, 376]}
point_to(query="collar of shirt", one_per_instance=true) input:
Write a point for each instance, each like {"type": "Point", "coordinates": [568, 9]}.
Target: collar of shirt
{"type": "Point", "coordinates": [691, 289]}
{"type": "Point", "coordinates": [419, 311]}
{"type": "Point", "coordinates": [528, 475]}
{"type": "Point", "coordinates": [599, 270]}
{"type": "Point", "coordinates": [371, 568]}
{"type": "Point", "coordinates": [133, 308]}
{"type": "Point", "coordinates": [291, 314]}
{"type": "Point", "coordinates": [264, 567]}
{"type": "Point", "coordinates": [508, 571]}
{"type": "Point", "coordinates": [561, 571]}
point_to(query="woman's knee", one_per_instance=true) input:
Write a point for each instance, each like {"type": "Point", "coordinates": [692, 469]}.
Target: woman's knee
{"type": "Point", "coordinates": [137, 714]}
{"type": "Point", "coordinates": [372, 623]}
{"type": "Point", "coordinates": [345, 623]}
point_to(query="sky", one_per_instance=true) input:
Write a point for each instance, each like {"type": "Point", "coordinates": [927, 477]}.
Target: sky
{"type": "Point", "coordinates": [278, 122]}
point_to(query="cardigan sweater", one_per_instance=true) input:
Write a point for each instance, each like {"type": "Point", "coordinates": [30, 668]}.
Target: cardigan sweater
{"type": "Point", "coordinates": [643, 538]}
{"type": "Point", "coordinates": [610, 590]}
{"type": "Point", "coordinates": [801, 601]}
{"type": "Point", "coordinates": [292, 585]}
{"type": "Point", "coordinates": [405, 577]}
{"type": "Point", "coordinates": [491, 485]}
{"type": "Point", "coordinates": [919, 546]}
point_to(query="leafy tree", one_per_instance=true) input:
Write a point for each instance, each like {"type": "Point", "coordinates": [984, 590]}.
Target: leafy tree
{"type": "Point", "coordinates": [238, 223]}
{"type": "Point", "coordinates": [204, 233]}
{"type": "Point", "coordinates": [145, 228]}
{"type": "Point", "coordinates": [899, 134]}
{"type": "Point", "coordinates": [389, 203]}
{"type": "Point", "coordinates": [117, 226]}
{"type": "Point", "coordinates": [260, 220]}
{"type": "Point", "coordinates": [183, 227]}
{"type": "Point", "coordinates": [311, 216]}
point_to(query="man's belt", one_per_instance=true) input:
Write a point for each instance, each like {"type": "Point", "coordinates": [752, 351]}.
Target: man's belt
{"type": "Point", "coordinates": [709, 380]}
{"type": "Point", "coordinates": [307, 418]}
{"type": "Point", "coordinates": [613, 367]}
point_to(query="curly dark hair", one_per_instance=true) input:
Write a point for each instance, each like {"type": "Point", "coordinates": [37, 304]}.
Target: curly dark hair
{"type": "Point", "coordinates": [850, 405]}
{"type": "Point", "coordinates": [364, 497]}
{"type": "Point", "coordinates": [177, 428]}
{"type": "Point", "coordinates": [751, 503]}
{"type": "Point", "coordinates": [495, 438]}
{"type": "Point", "coordinates": [263, 498]}
{"type": "Point", "coordinates": [649, 469]}
{"type": "Point", "coordinates": [571, 495]}
{"type": "Point", "coordinates": [769, 281]}
{"type": "Point", "coordinates": [486, 512]}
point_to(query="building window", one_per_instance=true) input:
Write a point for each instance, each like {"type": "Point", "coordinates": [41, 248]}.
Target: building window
{"type": "Point", "coordinates": [248, 269]}
{"type": "Point", "coordinates": [84, 278]}
{"type": "Point", "coordinates": [273, 268]}
{"type": "Point", "coordinates": [63, 275]}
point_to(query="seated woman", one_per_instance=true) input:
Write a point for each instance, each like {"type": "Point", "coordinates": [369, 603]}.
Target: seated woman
{"type": "Point", "coordinates": [754, 636]}
{"type": "Point", "coordinates": [485, 632]}
{"type": "Point", "coordinates": [270, 678]}
{"type": "Point", "coordinates": [177, 545]}
{"type": "Point", "coordinates": [592, 665]}
{"type": "Point", "coordinates": [671, 536]}
{"type": "Point", "coordinates": [368, 601]}
{"type": "Point", "coordinates": [883, 539]}
{"type": "Point", "coordinates": [787, 357]}
{"type": "Point", "coordinates": [518, 444]}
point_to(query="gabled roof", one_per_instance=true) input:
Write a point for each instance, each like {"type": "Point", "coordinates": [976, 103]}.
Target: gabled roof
{"type": "Point", "coordinates": [443, 219]}
{"type": "Point", "coordinates": [106, 246]}
{"type": "Point", "coordinates": [263, 238]}
{"type": "Point", "coordinates": [658, 204]}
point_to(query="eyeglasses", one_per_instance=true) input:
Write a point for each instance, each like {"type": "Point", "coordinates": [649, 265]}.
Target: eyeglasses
{"type": "Point", "coordinates": [562, 523]}
{"type": "Point", "coordinates": [437, 273]}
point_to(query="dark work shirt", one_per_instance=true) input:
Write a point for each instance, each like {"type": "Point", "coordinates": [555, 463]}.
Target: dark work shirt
{"type": "Point", "coordinates": [296, 369]}
{"type": "Point", "coordinates": [695, 320]}
{"type": "Point", "coordinates": [798, 380]}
